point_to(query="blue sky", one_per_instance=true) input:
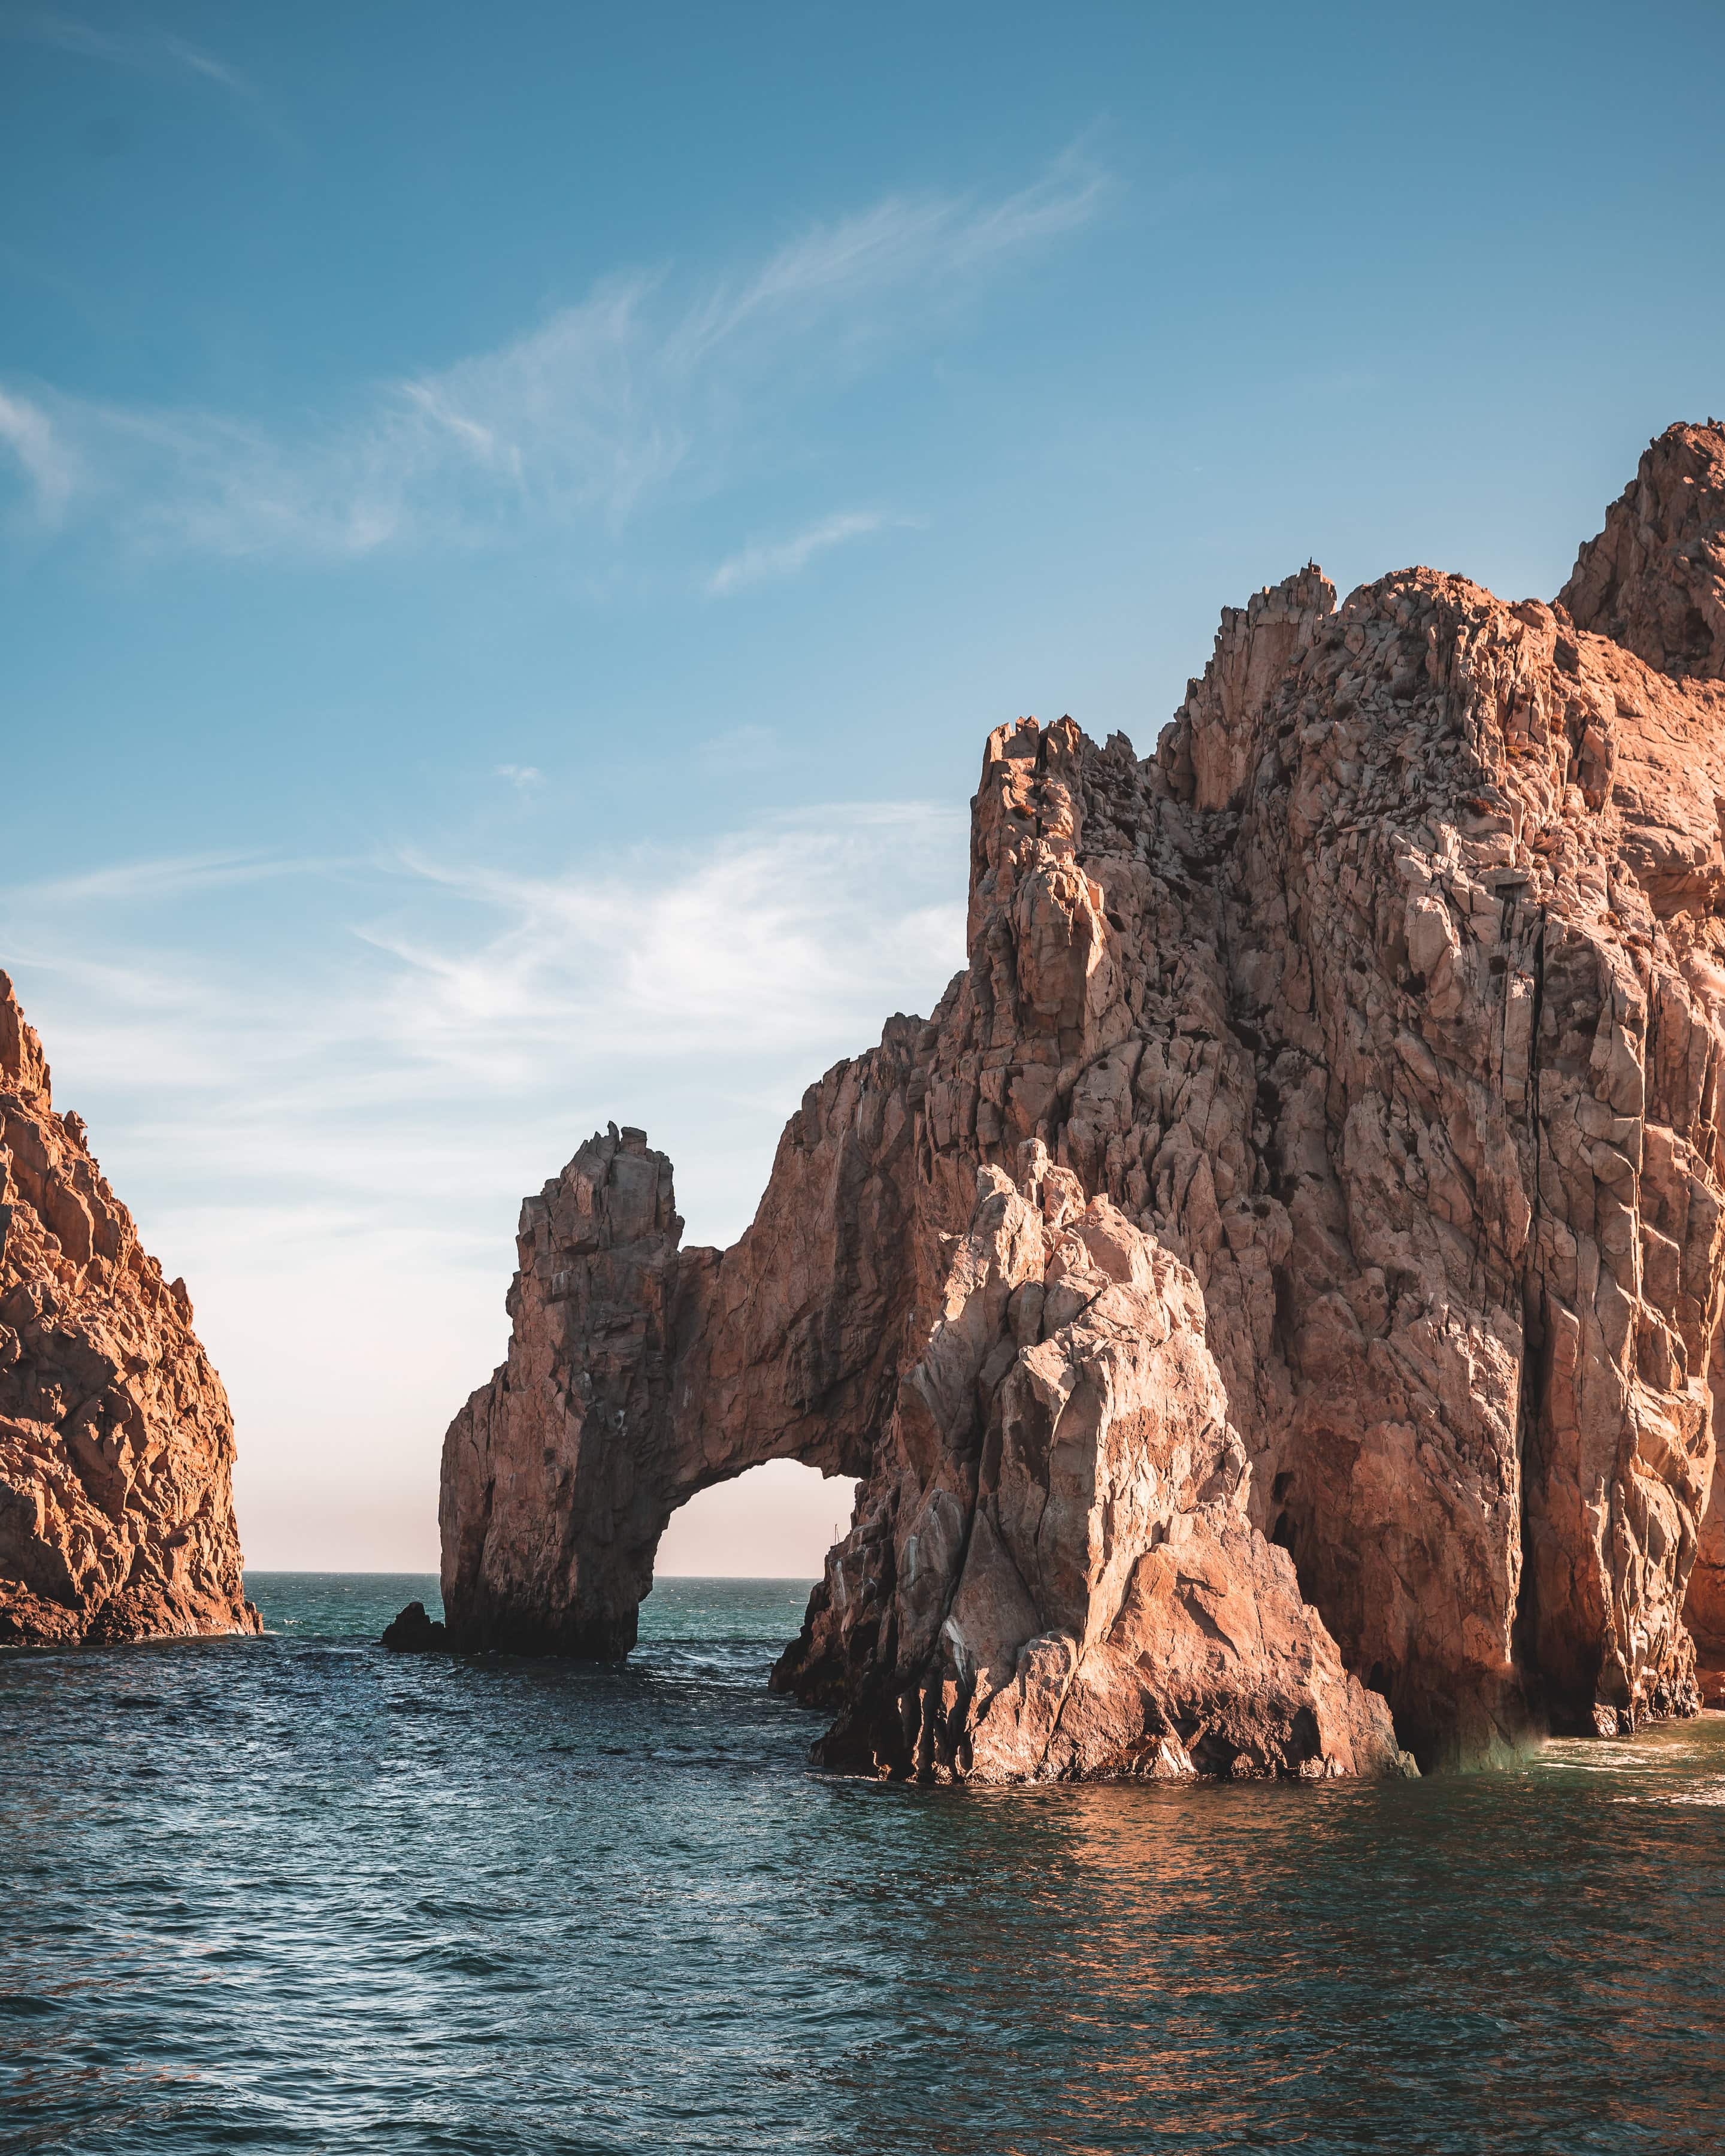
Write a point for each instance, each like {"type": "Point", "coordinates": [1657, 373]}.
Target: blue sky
{"type": "Point", "coordinates": [516, 522]}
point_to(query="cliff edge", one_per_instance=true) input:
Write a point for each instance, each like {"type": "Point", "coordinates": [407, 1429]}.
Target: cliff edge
{"type": "Point", "coordinates": [117, 1446]}
{"type": "Point", "coordinates": [1279, 1287]}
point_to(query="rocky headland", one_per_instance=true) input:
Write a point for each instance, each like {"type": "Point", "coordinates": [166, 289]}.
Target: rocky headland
{"type": "Point", "coordinates": [1273, 1304]}
{"type": "Point", "coordinates": [116, 1445]}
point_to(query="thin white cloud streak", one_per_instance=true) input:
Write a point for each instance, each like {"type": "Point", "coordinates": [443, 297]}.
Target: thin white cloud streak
{"type": "Point", "coordinates": [46, 460]}
{"type": "Point", "coordinates": [172, 876]}
{"type": "Point", "coordinates": [778, 937]}
{"type": "Point", "coordinates": [477, 981]}
{"type": "Point", "coordinates": [902, 240]}
{"type": "Point", "coordinates": [146, 52]}
{"type": "Point", "coordinates": [762, 563]}
{"type": "Point", "coordinates": [650, 382]}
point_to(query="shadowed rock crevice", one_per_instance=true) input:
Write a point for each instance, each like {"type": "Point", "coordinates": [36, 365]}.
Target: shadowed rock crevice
{"type": "Point", "coordinates": [1291, 1251]}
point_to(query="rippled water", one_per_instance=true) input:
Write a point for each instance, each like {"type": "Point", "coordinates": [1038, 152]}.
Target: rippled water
{"type": "Point", "coordinates": [296, 1894]}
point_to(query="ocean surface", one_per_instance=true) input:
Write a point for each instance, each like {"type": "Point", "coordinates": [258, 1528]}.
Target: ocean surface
{"type": "Point", "coordinates": [295, 1893]}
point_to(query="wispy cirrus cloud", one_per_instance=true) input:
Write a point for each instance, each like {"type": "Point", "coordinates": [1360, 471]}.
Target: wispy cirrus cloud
{"type": "Point", "coordinates": [146, 51]}
{"type": "Point", "coordinates": [771, 562]}
{"type": "Point", "coordinates": [653, 380]}
{"type": "Point", "coordinates": [173, 876]}
{"type": "Point", "coordinates": [437, 991]}
{"type": "Point", "coordinates": [776, 937]}
{"type": "Point", "coordinates": [44, 456]}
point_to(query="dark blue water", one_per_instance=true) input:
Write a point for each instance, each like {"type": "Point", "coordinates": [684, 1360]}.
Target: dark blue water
{"type": "Point", "coordinates": [297, 1894]}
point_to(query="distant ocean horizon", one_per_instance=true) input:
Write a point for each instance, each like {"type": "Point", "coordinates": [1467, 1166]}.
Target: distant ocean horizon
{"type": "Point", "coordinates": [299, 1894]}
{"type": "Point", "coordinates": [354, 1606]}
{"type": "Point", "coordinates": [373, 1571]}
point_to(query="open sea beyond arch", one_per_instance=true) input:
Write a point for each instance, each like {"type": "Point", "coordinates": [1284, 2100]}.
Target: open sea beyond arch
{"type": "Point", "coordinates": [296, 1893]}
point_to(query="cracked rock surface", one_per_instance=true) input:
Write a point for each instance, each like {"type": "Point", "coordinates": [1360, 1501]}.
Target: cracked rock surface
{"type": "Point", "coordinates": [116, 1445]}
{"type": "Point", "coordinates": [1279, 1287]}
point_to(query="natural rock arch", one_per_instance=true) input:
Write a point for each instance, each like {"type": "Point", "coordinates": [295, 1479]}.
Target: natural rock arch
{"type": "Point", "coordinates": [640, 1373]}
{"type": "Point", "coordinates": [1313, 1186]}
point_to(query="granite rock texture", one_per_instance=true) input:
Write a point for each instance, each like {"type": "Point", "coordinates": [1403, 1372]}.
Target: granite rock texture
{"type": "Point", "coordinates": [1374, 1028]}
{"type": "Point", "coordinates": [116, 1445]}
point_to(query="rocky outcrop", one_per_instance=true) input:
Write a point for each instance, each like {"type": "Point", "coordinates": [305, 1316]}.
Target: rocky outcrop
{"type": "Point", "coordinates": [117, 1446]}
{"type": "Point", "coordinates": [1285, 1275]}
{"type": "Point", "coordinates": [1654, 580]}
{"type": "Point", "coordinates": [1053, 1573]}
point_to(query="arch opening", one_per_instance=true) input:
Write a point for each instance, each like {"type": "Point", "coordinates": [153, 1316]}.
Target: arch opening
{"type": "Point", "coordinates": [775, 1521]}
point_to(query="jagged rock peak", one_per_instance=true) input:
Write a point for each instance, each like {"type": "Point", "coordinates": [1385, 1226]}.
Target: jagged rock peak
{"type": "Point", "coordinates": [1211, 744]}
{"type": "Point", "coordinates": [116, 1445]}
{"type": "Point", "coordinates": [24, 1068]}
{"type": "Point", "coordinates": [1654, 580]}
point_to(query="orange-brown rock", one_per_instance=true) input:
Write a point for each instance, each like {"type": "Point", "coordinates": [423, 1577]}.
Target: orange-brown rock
{"type": "Point", "coordinates": [117, 1446]}
{"type": "Point", "coordinates": [1654, 580]}
{"type": "Point", "coordinates": [1285, 1275]}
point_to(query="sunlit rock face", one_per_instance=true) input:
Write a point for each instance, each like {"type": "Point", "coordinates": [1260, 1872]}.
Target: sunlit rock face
{"type": "Point", "coordinates": [1654, 580]}
{"type": "Point", "coordinates": [117, 1446]}
{"type": "Point", "coordinates": [1053, 1573]}
{"type": "Point", "coordinates": [1284, 1275]}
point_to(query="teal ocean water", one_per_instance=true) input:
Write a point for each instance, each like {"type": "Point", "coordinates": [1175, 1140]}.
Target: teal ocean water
{"type": "Point", "coordinates": [296, 1894]}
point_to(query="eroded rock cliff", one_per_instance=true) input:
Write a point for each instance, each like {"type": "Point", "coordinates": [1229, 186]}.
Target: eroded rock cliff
{"type": "Point", "coordinates": [1285, 1275]}
{"type": "Point", "coordinates": [117, 1446]}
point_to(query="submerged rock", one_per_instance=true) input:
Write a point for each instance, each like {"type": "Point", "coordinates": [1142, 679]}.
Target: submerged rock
{"type": "Point", "coordinates": [116, 1445]}
{"type": "Point", "coordinates": [1284, 1276]}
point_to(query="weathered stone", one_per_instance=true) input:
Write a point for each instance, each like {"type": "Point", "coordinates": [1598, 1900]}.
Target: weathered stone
{"type": "Point", "coordinates": [1307, 1205]}
{"type": "Point", "coordinates": [117, 1446]}
{"type": "Point", "coordinates": [639, 1374]}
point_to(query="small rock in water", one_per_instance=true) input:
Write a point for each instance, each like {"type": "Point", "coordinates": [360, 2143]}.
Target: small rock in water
{"type": "Point", "coordinates": [415, 1633]}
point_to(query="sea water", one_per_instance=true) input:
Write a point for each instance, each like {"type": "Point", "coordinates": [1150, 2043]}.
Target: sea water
{"type": "Point", "coordinates": [296, 1893]}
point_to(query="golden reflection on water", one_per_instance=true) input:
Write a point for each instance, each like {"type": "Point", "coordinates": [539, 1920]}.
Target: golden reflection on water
{"type": "Point", "coordinates": [1218, 1953]}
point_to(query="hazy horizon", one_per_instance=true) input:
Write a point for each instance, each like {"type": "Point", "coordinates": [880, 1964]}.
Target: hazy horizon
{"type": "Point", "coordinates": [517, 531]}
